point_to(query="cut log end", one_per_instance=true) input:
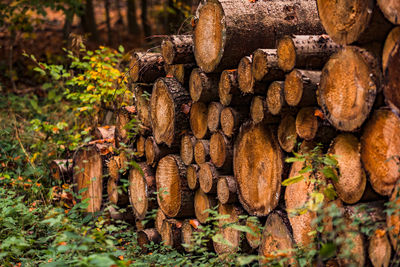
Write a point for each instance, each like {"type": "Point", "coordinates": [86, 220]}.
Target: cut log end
{"type": "Point", "coordinates": [227, 190]}
{"type": "Point", "coordinates": [147, 237]}
{"type": "Point", "coordinates": [150, 148]}
{"type": "Point", "coordinates": [391, 10]}
{"type": "Point", "coordinates": [160, 217]}
{"type": "Point", "coordinates": [198, 119]}
{"type": "Point", "coordinates": [287, 135]}
{"type": "Point", "coordinates": [257, 109]}
{"type": "Point", "coordinates": [189, 226]}
{"type": "Point", "coordinates": [228, 86]}
{"type": "Point", "coordinates": [379, 249]}
{"type": "Point", "coordinates": [230, 120]}
{"type": "Point", "coordinates": [171, 231]}
{"type": "Point", "coordinates": [307, 123]}
{"type": "Point", "coordinates": [392, 80]}
{"type": "Point", "coordinates": [253, 239]}
{"type": "Point", "coordinates": [213, 116]}
{"type": "Point", "coordinates": [208, 177]}
{"type": "Point", "coordinates": [275, 98]}
{"type": "Point", "coordinates": [192, 176]}
{"type": "Point", "coordinates": [202, 203]}
{"type": "Point", "coordinates": [201, 151]}
{"type": "Point", "coordinates": [245, 76]}
{"type": "Point", "coordinates": [187, 148]}
{"type": "Point", "coordinates": [140, 146]}
{"type": "Point", "coordinates": [390, 42]}
{"type": "Point", "coordinates": [286, 52]}
{"type": "Point", "coordinates": [219, 151]}
{"type": "Point", "coordinates": [178, 49]}
{"type": "Point", "coordinates": [293, 88]}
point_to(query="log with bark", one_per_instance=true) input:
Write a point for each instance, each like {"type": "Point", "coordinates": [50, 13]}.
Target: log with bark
{"type": "Point", "coordinates": [390, 42]}
{"type": "Point", "coordinates": [174, 196]}
{"type": "Point", "coordinates": [275, 98]}
{"type": "Point", "coordinates": [265, 65]}
{"type": "Point", "coordinates": [187, 148]}
{"type": "Point", "coordinates": [226, 31]}
{"type": "Point", "coordinates": [142, 104]}
{"type": "Point", "coordinates": [147, 237]}
{"type": "Point", "coordinates": [287, 134]}
{"type": "Point", "coordinates": [305, 51]}
{"type": "Point", "coordinates": [380, 150]}
{"type": "Point", "coordinates": [146, 67]}
{"type": "Point", "coordinates": [301, 87]}
{"type": "Point", "coordinates": [124, 116]}
{"type": "Point", "coordinates": [259, 111]}
{"type": "Point", "coordinates": [231, 119]}
{"type": "Point", "coordinates": [349, 83]}
{"type": "Point", "coordinates": [391, 10]}
{"type": "Point", "coordinates": [156, 152]}
{"type": "Point", "coordinates": [168, 110]}
{"type": "Point", "coordinates": [192, 176]}
{"type": "Point", "coordinates": [391, 87]}
{"type": "Point", "coordinates": [115, 191]}
{"type": "Point", "coordinates": [178, 49]}
{"type": "Point", "coordinates": [347, 21]}
{"type": "Point", "coordinates": [247, 83]}
{"type": "Point", "coordinates": [203, 86]}
{"type": "Point", "coordinates": [181, 72]}
{"type": "Point", "coordinates": [221, 152]}
{"type": "Point", "coordinates": [227, 190]}
{"type": "Point", "coordinates": [259, 187]}
{"type": "Point", "coordinates": [171, 231]}
{"type": "Point", "coordinates": [202, 203]}
{"type": "Point", "coordinates": [198, 120]}
{"type": "Point", "coordinates": [208, 177]}
{"type": "Point", "coordinates": [228, 87]}
{"type": "Point", "coordinates": [213, 116]}
{"type": "Point", "coordinates": [142, 188]}
{"type": "Point", "coordinates": [61, 170]}
{"type": "Point", "coordinates": [140, 146]}
{"type": "Point", "coordinates": [202, 151]}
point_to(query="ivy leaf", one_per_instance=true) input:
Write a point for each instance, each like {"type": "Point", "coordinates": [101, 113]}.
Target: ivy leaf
{"type": "Point", "coordinates": [242, 228]}
{"type": "Point", "coordinates": [292, 159]}
{"type": "Point", "coordinates": [327, 251]}
{"type": "Point", "coordinates": [330, 160]}
{"type": "Point", "coordinates": [218, 238]}
{"type": "Point", "coordinates": [330, 192]}
{"type": "Point", "coordinates": [293, 180]}
{"type": "Point", "coordinates": [121, 49]}
{"type": "Point", "coordinates": [329, 173]}
{"type": "Point", "coordinates": [305, 170]}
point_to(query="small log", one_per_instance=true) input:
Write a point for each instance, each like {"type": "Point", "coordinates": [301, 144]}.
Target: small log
{"type": "Point", "coordinates": [265, 65]}
{"type": "Point", "coordinates": [142, 104]}
{"type": "Point", "coordinates": [253, 239]}
{"type": "Point", "coordinates": [120, 215]}
{"type": "Point", "coordinates": [198, 120]}
{"type": "Point", "coordinates": [115, 192]}
{"type": "Point", "coordinates": [156, 152]}
{"type": "Point", "coordinates": [231, 119]}
{"type": "Point", "coordinates": [187, 147]}
{"type": "Point", "coordinates": [260, 113]}
{"type": "Point", "coordinates": [258, 188]}
{"type": "Point", "coordinates": [275, 98]}
{"type": "Point", "coordinates": [228, 87]}
{"type": "Point", "coordinates": [142, 188]}
{"type": "Point", "coordinates": [174, 196]}
{"type": "Point", "coordinates": [171, 231]}
{"type": "Point", "coordinates": [287, 135]}
{"type": "Point", "coordinates": [301, 87]}
{"type": "Point", "coordinates": [305, 51]}
{"type": "Point", "coordinates": [230, 234]}
{"type": "Point", "coordinates": [203, 86]}
{"type": "Point", "coordinates": [208, 177]}
{"type": "Point", "coordinates": [61, 170]}
{"type": "Point", "coordinates": [393, 219]}
{"type": "Point", "coordinates": [390, 42]}
{"type": "Point", "coordinates": [391, 10]}
{"type": "Point", "coordinates": [158, 221]}
{"type": "Point", "coordinates": [140, 146]}
{"type": "Point", "coordinates": [192, 176]}
{"type": "Point", "coordinates": [202, 203]}
{"type": "Point", "coordinates": [224, 33]}
{"type": "Point", "coordinates": [391, 87]}
{"type": "Point", "coordinates": [276, 237]}
{"type": "Point", "coordinates": [181, 72]}
{"type": "Point", "coordinates": [379, 249]}
{"type": "Point", "coordinates": [247, 83]}
{"type": "Point", "coordinates": [189, 227]}
{"type": "Point", "coordinates": [202, 151]}
{"type": "Point", "coordinates": [124, 116]}
{"type": "Point", "coordinates": [353, 21]}
{"type": "Point", "coordinates": [146, 67]}
{"type": "Point", "coordinates": [213, 116]}
{"type": "Point", "coordinates": [147, 237]}
{"type": "Point", "coordinates": [307, 123]}
{"type": "Point", "coordinates": [105, 132]}
{"type": "Point", "coordinates": [380, 149]}
{"type": "Point", "coordinates": [178, 49]}
{"type": "Point", "coordinates": [346, 104]}
{"type": "Point", "coordinates": [221, 152]}
{"type": "Point", "coordinates": [227, 190]}
{"type": "Point", "coordinates": [351, 179]}
{"type": "Point", "coordinates": [169, 118]}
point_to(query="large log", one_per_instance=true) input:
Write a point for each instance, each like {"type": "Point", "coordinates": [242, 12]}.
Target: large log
{"type": "Point", "coordinates": [146, 67]}
{"type": "Point", "coordinates": [61, 170]}
{"type": "Point", "coordinates": [142, 188]}
{"type": "Point", "coordinates": [258, 168]}
{"type": "Point", "coordinates": [391, 10]}
{"type": "Point", "coordinates": [174, 196]}
{"type": "Point", "coordinates": [304, 51]}
{"type": "Point", "coordinates": [203, 86]}
{"type": "Point", "coordinates": [142, 104]}
{"type": "Point", "coordinates": [192, 176]}
{"type": "Point", "coordinates": [380, 145]}
{"type": "Point", "coordinates": [202, 151]}
{"type": "Point", "coordinates": [227, 190]}
{"type": "Point", "coordinates": [178, 49]}
{"type": "Point", "coordinates": [287, 135]}
{"type": "Point", "coordinates": [276, 241]}
{"type": "Point", "coordinates": [275, 97]}
{"type": "Point", "coordinates": [351, 179]}
{"type": "Point", "coordinates": [208, 177]}
{"type": "Point", "coordinates": [187, 148]}
{"type": "Point", "coordinates": [265, 65]}
{"type": "Point", "coordinates": [228, 30]}
{"type": "Point", "coordinates": [169, 118]}
{"type": "Point", "coordinates": [391, 87]}
{"type": "Point", "coordinates": [213, 116]}
{"type": "Point", "coordinates": [301, 87]}
{"type": "Point", "coordinates": [202, 203]}
{"type": "Point", "coordinates": [221, 152]}
{"type": "Point", "coordinates": [349, 83]}
{"type": "Point", "coordinates": [348, 21]}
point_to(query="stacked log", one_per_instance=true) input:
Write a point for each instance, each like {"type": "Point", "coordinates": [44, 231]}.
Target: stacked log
{"type": "Point", "coordinates": [263, 78]}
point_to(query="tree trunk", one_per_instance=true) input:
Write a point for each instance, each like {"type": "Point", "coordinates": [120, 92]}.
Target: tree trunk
{"type": "Point", "coordinates": [193, 176]}
{"type": "Point", "coordinates": [146, 237]}
{"type": "Point", "coordinates": [287, 135]}
{"type": "Point", "coordinates": [181, 72]}
{"type": "Point", "coordinates": [198, 120]}
{"type": "Point", "coordinates": [346, 104]}
{"type": "Point", "coordinates": [203, 87]}
{"type": "Point", "coordinates": [202, 151]}
{"type": "Point", "coordinates": [187, 147]}
{"type": "Point", "coordinates": [301, 87]}
{"type": "Point", "coordinates": [61, 170]}
{"type": "Point", "coordinates": [146, 67]}
{"type": "Point", "coordinates": [379, 249]}
{"type": "Point", "coordinates": [213, 116]}
{"type": "Point", "coordinates": [260, 113]}
{"type": "Point", "coordinates": [231, 120]}
{"type": "Point", "coordinates": [307, 123]}
{"type": "Point", "coordinates": [171, 231]}
{"type": "Point", "coordinates": [142, 188]}
{"type": "Point", "coordinates": [228, 30]}
{"type": "Point", "coordinates": [156, 152]}
{"type": "Point", "coordinates": [208, 178]}
{"type": "Point", "coordinates": [108, 22]}
{"type": "Point", "coordinates": [142, 104]}
{"type": "Point", "coordinates": [133, 26]}
{"type": "Point", "coordinates": [347, 21]}
{"type": "Point", "coordinates": [175, 199]}
{"type": "Point", "coordinates": [227, 190]}
{"type": "Point", "coordinates": [265, 65]}
{"type": "Point", "coordinates": [140, 146]}
{"type": "Point", "coordinates": [202, 203]}
{"type": "Point", "coordinates": [391, 87]}
{"type": "Point", "coordinates": [178, 49]}
{"type": "Point", "coordinates": [276, 237]}
{"type": "Point", "coordinates": [305, 51]}
{"type": "Point", "coordinates": [145, 21]}
{"type": "Point", "coordinates": [247, 83]}
{"type": "Point", "coordinates": [105, 132]}
{"type": "Point", "coordinates": [351, 179]}
{"type": "Point", "coordinates": [275, 98]}
{"type": "Point", "coordinates": [380, 149]}
{"type": "Point", "coordinates": [169, 119]}
{"type": "Point", "coordinates": [89, 22]}
{"type": "Point", "coordinates": [221, 152]}
{"type": "Point", "coordinates": [258, 168]}
{"type": "Point", "coordinates": [124, 116]}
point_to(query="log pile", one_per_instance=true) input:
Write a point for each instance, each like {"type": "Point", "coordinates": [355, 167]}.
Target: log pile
{"type": "Point", "coordinates": [264, 76]}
